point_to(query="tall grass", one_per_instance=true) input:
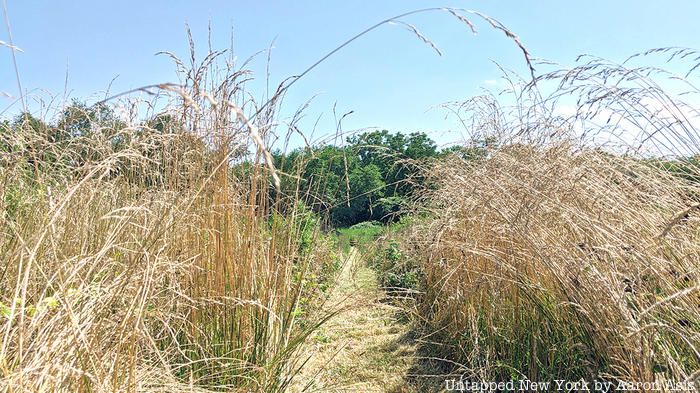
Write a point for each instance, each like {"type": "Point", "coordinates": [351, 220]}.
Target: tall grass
{"type": "Point", "coordinates": [160, 254]}
{"type": "Point", "coordinates": [555, 256]}
{"type": "Point", "coordinates": [151, 256]}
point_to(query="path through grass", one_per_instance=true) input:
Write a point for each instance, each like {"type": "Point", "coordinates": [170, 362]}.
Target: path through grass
{"type": "Point", "coordinates": [367, 347]}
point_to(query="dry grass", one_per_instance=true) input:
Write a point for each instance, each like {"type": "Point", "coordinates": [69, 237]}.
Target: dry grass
{"type": "Point", "coordinates": [547, 263]}
{"type": "Point", "coordinates": [155, 256]}
{"type": "Point", "coordinates": [152, 256]}
{"type": "Point", "coordinates": [551, 257]}
{"type": "Point", "coordinates": [159, 255]}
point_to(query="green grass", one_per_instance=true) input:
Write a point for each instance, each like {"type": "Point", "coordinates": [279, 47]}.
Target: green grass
{"type": "Point", "coordinates": [360, 235]}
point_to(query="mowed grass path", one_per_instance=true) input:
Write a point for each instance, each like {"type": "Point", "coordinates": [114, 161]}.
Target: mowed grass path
{"type": "Point", "coordinates": [367, 347]}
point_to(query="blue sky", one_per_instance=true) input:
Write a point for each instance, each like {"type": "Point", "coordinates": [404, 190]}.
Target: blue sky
{"type": "Point", "coordinates": [389, 78]}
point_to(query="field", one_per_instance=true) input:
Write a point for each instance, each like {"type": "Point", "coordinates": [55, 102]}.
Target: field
{"type": "Point", "coordinates": [165, 242]}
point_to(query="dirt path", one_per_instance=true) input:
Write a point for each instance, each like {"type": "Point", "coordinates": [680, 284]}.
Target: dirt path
{"type": "Point", "coordinates": [367, 347]}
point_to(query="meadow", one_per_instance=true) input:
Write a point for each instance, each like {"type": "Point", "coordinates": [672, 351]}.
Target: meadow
{"type": "Point", "coordinates": [553, 256]}
{"type": "Point", "coordinates": [162, 242]}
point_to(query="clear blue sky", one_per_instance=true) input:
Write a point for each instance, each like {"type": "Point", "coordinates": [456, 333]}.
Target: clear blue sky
{"type": "Point", "coordinates": [389, 78]}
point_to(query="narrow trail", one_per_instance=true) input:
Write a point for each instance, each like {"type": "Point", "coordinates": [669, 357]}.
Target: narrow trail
{"type": "Point", "coordinates": [366, 347]}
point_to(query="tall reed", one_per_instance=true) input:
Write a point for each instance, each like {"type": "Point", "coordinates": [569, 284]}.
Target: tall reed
{"type": "Point", "coordinates": [150, 255]}
{"type": "Point", "coordinates": [552, 255]}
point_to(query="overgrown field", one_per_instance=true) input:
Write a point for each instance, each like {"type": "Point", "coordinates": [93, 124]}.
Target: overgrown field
{"type": "Point", "coordinates": [551, 255]}
{"type": "Point", "coordinates": [152, 255]}
{"type": "Point", "coordinates": [159, 244]}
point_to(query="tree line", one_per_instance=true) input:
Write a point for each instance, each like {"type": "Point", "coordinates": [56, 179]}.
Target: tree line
{"type": "Point", "coordinates": [157, 152]}
{"type": "Point", "coordinates": [373, 176]}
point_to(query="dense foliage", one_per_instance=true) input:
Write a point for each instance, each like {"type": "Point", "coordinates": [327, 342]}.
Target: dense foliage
{"type": "Point", "coordinates": [372, 177]}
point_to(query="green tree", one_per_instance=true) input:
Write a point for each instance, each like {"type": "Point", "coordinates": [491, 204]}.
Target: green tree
{"type": "Point", "coordinates": [372, 177]}
{"type": "Point", "coordinates": [366, 187]}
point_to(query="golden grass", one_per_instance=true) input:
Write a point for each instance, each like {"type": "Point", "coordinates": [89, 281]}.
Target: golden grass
{"type": "Point", "coordinates": [151, 256]}
{"type": "Point", "coordinates": [154, 256]}
{"type": "Point", "coordinates": [559, 263]}
{"type": "Point", "coordinates": [567, 247]}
